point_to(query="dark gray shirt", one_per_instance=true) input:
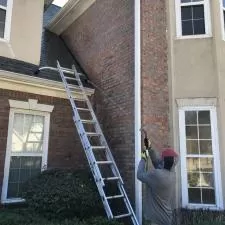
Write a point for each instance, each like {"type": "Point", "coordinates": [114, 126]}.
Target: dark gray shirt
{"type": "Point", "coordinates": [160, 185]}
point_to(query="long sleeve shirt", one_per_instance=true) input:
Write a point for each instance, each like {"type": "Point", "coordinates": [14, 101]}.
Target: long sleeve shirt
{"type": "Point", "coordinates": [160, 185]}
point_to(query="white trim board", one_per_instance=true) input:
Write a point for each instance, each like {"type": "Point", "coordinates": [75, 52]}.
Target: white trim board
{"type": "Point", "coordinates": [36, 85]}
{"type": "Point", "coordinates": [68, 14]}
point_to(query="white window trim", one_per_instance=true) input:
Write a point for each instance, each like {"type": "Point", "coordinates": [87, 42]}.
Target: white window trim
{"type": "Point", "coordinates": [208, 32]}
{"type": "Point", "coordinates": [222, 19]}
{"type": "Point", "coordinates": [30, 107]}
{"type": "Point", "coordinates": [8, 21]}
{"type": "Point", "coordinates": [217, 169]}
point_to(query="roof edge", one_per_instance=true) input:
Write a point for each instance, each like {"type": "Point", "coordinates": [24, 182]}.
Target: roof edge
{"type": "Point", "coordinates": [47, 3]}
{"type": "Point", "coordinates": [71, 11]}
{"type": "Point", "coordinates": [17, 81]}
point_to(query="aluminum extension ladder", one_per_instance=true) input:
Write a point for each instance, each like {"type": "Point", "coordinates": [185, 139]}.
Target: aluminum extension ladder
{"type": "Point", "coordinates": [91, 150]}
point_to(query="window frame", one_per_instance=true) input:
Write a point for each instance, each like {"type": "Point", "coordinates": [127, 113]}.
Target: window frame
{"type": "Point", "coordinates": [207, 18]}
{"type": "Point", "coordinates": [215, 150]}
{"type": "Point", "coordinates": [222, 19]}
{"type": "Point", "coordinates": [8, 20]}
{"type": "Point", "coordinates": [32, 108]}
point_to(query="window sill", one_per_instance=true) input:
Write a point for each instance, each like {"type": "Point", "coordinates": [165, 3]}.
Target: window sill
{"type": "Point", "coordinates": [4, 40]}
{"type": "Point", "coordinates": [13, 200]}
{"type": "Point", "coordinates": [193, 37]}
{"type": "Point", "coordinates": [205, 207]}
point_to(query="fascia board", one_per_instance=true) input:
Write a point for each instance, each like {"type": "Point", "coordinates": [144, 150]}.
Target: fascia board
{"type": "Point", "coordinates": [68, 14]}
{"type": "Point", "coordinates": [36, 85]}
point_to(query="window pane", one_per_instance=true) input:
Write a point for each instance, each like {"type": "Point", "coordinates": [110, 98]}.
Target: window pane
{"type": "Point", "coordinates": [191, 132]}
{"type": "Point", "coordinates": [186, 13]}
{"type": "Point", "coordinates": [194, 195]}
{"type": "Point", "coordinates": [193, 179]}
{"type": "Point", "coordinates": [199, 26]}
{"type": "Point", "coordinates": [208, 196]}
{"type": "Point", "coordinates": [223, 3]}
{"type": "Point", "coordinates": [205, 147]}
{"type": "Point", "coordinates": [187, 28]}
{"type": "Point", "coordinates": [21, 169]}
{"type": "Point", "coordinates": [204, 132]}
{"type": "Point", "coordinates": [206, 164]}
{"type": "Point", "coordinates": [28, 131]}
{"type": "Point", "coordinates": [192, 147]}
{"type": "Point", "coordinates": [193, 164]}
{"type": "Point", "coordinates": [3, 2]}
{"type": "Point", "coordinates": [207, 180]}
{"type": "Point", "coordinates": [2, 22]}
{"type": "Point", "coordinates": [204, 117]}
{"type": "Point", "coordinates": [186, 1]}
{"type": "Point", "coordinates": [190, 117]}
{"type": "Point", "coordinates": [198, 12]}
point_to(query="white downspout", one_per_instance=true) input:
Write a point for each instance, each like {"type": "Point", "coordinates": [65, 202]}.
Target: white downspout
{"type": "Point", "coordinates": [137, 105]}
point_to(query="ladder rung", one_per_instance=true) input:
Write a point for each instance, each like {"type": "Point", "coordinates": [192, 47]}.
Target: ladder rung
{"type": "Point", "coordinates": [83, 109]}
{"type": "Point", "coordinates": [98, 147]}
{"type": "Point", "coordinates": [115, 196]}
{"type": "Point", "coordinates": [71, 78]}
{"type": "Point", "coordinates": [104, 162]}
{"type": "Point", "coordinates": [88, 121]}
{"type": "Point", "coordinates": [122, 216]}
{"type": "Point", "coordinates": [67, 70]}
{"type": "Point", "coordinates": [80, 99]}
{"type": "Point", "coordinates": [111, 178]}
{"type": "Point", "coordinates": [93, 134]}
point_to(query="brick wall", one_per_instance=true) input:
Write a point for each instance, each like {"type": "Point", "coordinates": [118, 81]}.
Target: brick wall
{"type": "Point", "coordinates": [155, 99]}
{"type": "Point", "coordinates": [102, 40]}
{"type": "Point", "coordinates": [64, 145]}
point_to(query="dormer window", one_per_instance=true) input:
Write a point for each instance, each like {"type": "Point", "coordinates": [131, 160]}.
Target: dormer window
{"type": "Point", "coordinates": [5, 18]}
{"type": "Point", "coordinates": [193, 18]}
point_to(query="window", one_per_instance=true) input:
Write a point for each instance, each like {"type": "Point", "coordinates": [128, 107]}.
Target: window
{"type": "Point", "coordinates": [5, 18]}
{"type": "Point", "coordinates": [26, 148]}
{"type": "Point", "coordinates": [192, 17]}
{"type": "Point", "coordinates": [223, 15]}
{"type": "Point", "coordinates": [201, 181]}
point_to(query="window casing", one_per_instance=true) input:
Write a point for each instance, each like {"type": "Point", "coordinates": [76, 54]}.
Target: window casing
{"type": "Point", "coordinates": [193, 18]}
{"type": "Point", "coordinates": [27, 147]}
{"type": "Point", "coordinates": [200, 166]}
{"type": "Point", "coordinates": [223, 18]}
{"type": "Point", "coordinates": [5, 18]}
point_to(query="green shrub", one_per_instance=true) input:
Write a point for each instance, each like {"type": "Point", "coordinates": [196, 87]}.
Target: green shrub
{"type": "Point", "coordinates": [63, 194]}
{"type": "Point", "coordinates": [25, 217]}
{"type": "Point", "coordinates": [199, 217]}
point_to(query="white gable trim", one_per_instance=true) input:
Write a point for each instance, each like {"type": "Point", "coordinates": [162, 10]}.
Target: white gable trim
{"type": "Point", "coordinates": [68, 14]}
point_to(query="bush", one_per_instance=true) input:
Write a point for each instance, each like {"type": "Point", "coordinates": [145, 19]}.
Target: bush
{"type": "Point", "coordinates": [63, 194]}
{"type": "Point", "coordinates": [23, 217]}
{"type": "Point", "coordinates": [199, 217]}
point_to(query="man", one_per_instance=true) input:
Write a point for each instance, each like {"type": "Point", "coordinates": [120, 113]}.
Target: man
{"type": "Point", "coordinates": [160, 185]}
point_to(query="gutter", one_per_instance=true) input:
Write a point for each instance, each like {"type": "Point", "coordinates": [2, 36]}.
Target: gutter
{"type": "Point", "coordinates": [137, 106]}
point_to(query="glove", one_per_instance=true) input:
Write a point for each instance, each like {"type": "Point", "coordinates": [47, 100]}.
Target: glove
{"type": "Point", "coordinates": [144, 155]}
{"type": "Point", "coordinates": [147, 143]}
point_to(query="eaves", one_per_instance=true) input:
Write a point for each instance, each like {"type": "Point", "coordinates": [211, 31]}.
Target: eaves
{"type": "Point", "coordinates": [36, 85]}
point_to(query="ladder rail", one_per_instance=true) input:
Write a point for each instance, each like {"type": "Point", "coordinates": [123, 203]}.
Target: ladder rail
{"type": "Point", "coordinates": [89, 154]}
{"type": "Point", "coordinates": [80, 129]}
{"type": "Point", "coordinates": [88, 148]}
{"type": "Point", "coordinates": [98, 128]}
